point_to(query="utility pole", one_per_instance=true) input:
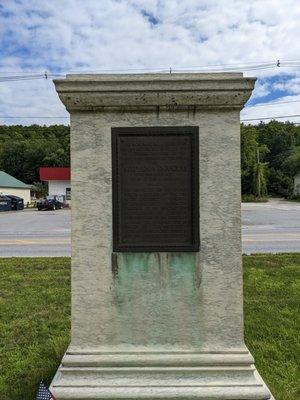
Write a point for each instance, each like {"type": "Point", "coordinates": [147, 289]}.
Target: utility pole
{"type": "Point", "coordinates": [258, 174]}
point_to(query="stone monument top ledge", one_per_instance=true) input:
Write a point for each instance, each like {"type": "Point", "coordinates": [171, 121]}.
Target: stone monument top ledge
{"type": "Point", "coordinates": [125, 92]}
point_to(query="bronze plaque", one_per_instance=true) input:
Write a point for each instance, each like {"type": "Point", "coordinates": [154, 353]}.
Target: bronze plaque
{"type": "Point", "coordinates": [155, 189]}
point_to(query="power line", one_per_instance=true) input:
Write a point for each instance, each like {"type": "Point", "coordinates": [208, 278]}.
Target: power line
{"type": "Point", "coordinates": [64, 117]}
{"type": "Point", "coordinates": [152, 68]}
{"type": "Point", "coordinates": [174, 70]}
{"type": "Point", "coordinates": [272, 104]}
{"type": "Point", "coordinates": [44, 117]}
{"type": "Point", "coordinates": [27, 77]}
{"type": "Point", "coordinates": [273, 117]}
{"type": "Point", "coordinates": [247, 66]}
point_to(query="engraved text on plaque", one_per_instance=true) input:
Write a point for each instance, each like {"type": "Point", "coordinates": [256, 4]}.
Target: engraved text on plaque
{"type": "Point", "coordinates": [155, 189]}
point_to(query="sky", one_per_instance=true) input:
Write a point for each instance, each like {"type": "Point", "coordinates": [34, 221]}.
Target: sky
{"type": "Point", "coordinates": [67, 36]}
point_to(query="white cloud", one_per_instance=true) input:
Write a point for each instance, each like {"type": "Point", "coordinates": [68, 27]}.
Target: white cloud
{"type": "Point", "coordinates": [92, 35]}
{"type": "Point", "coordinates": [291, 86]}
{"type": "Point", "coordinates": [261, 89]}
{"type": "Point", "coordinates": [282, 106]}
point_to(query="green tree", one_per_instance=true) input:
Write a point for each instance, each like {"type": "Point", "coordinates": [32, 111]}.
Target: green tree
{"type": "Point", "coordinates": [23, 149]}
{"type": "Point", "coordinates": [40, 189]}
{"type": "Point", "coordinates": [280, 140]}
{"type": "Point", "coordinates": [291, 165]}
{"type": "Point", "coordinates": [13, 158]}
{"type": "Point", "coordinates": [249, 146]}
{"type": "Point", "coordinates": [259, 177]}
{"type": "Point", "coordinates": [253, 172]}
{"type": "Point", "coordinates": [280, 184]}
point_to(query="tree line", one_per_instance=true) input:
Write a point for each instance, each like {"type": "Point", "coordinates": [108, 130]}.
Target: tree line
{"type": "Point", "coordinates": [270, 154]}
{"type": "Point", "coordinates": [270, 158]}
{"type": "Point", "coordinates": [23, 149]}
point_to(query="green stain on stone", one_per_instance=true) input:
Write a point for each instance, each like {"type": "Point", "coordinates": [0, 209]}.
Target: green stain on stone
{"type": "Point", "coordinates": [158, 298]}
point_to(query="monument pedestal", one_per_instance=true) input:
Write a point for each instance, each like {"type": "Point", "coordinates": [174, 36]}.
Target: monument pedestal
{"type": "Point", "coordinates": [159, 324]}
{"type": "Point", "coordinates": [145, 375]}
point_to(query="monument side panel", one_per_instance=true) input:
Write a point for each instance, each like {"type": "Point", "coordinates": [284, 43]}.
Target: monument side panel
{"type": "Point", "coordinates": [220, 233]}
{"type": "Point", "coordinates": [93, 315]}
{"type": "Point", "coordinates": [144, 305]}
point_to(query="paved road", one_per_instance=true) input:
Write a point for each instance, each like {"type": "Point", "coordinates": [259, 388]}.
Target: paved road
{"type": "Point", "coordinates": [271, 227]}
{"type": "Point", "coordinates": [31, 233]}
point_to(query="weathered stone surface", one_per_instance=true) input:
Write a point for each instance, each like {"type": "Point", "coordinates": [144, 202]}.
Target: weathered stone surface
{"type": "Point", "coordinates": [157, 325]}
{"type": "Point", "coordinates": [154, 92]}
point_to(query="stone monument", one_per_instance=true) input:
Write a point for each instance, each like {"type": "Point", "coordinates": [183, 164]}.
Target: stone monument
{"type": "Point", "coordinates": [157, 300]}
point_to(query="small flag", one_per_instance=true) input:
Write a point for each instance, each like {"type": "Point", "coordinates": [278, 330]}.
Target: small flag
{"type": "Point", "coordinates": [44, 393]}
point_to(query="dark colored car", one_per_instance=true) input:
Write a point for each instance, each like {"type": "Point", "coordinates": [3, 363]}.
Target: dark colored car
{"type": "Point", "coordinates": [5, 203]}
{"type": "Point", "coordinates": [50, 203]}
{"type": "Point", "coordinates": [17, 203]}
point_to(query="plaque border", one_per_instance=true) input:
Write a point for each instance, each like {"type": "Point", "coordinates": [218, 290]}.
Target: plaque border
{"type": "Point", "coordinates": [116, 132]}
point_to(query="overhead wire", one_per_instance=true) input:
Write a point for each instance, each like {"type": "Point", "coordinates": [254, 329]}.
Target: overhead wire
{"type": "Point", "coordinates": [66, 117]}
{"type": "Point", "coordinates": [248, 107]}
{"type": "Point", "coordinates": [43, 117]}
{"type": "Point", "coordinates": [246, 66]}
{"type": "Point", "coordinates": [272, 117]}
{"type": "Point", "coordinates": [151, 68]}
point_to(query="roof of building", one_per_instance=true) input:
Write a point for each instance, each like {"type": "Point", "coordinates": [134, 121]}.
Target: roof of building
{"type": "Point", "coordinates": [55, 173]}
{"type": "Point", "coordinates": [9, 181]}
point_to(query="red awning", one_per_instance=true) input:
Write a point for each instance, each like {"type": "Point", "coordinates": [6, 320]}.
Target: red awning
{"type": "Point", "coordinates": [55, 174]}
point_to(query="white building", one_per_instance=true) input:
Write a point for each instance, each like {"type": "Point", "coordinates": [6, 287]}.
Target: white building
{"type": "Point", "coordinates": [12, 186]}
{"type": "Point", "coordinates": [59, 181]}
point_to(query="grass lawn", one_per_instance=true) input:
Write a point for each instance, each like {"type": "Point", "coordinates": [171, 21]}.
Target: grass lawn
{"type": "Point", "coordinates": [35, 321]}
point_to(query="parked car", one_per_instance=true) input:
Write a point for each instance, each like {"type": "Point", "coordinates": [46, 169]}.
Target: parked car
{"type": "Point", "coordinates": [50, 203]}
{"type": "Point", "coordinates": [5, 203]}
{"type": "Point", "coordinates": [17, 203]}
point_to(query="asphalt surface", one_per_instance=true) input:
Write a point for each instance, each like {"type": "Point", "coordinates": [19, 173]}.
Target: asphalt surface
{"type": "Point", "coordinates": [272, 227]}
{"type": "Point", "coordinates": [31, 233]}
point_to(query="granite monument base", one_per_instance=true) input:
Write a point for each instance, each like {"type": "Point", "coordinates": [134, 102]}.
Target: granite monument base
{"type": "Point", "coordinates": [158, 375]}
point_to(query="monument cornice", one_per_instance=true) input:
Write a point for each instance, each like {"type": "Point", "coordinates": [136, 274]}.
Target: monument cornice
{"type": "Point", "coordinates": [154, 91]}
